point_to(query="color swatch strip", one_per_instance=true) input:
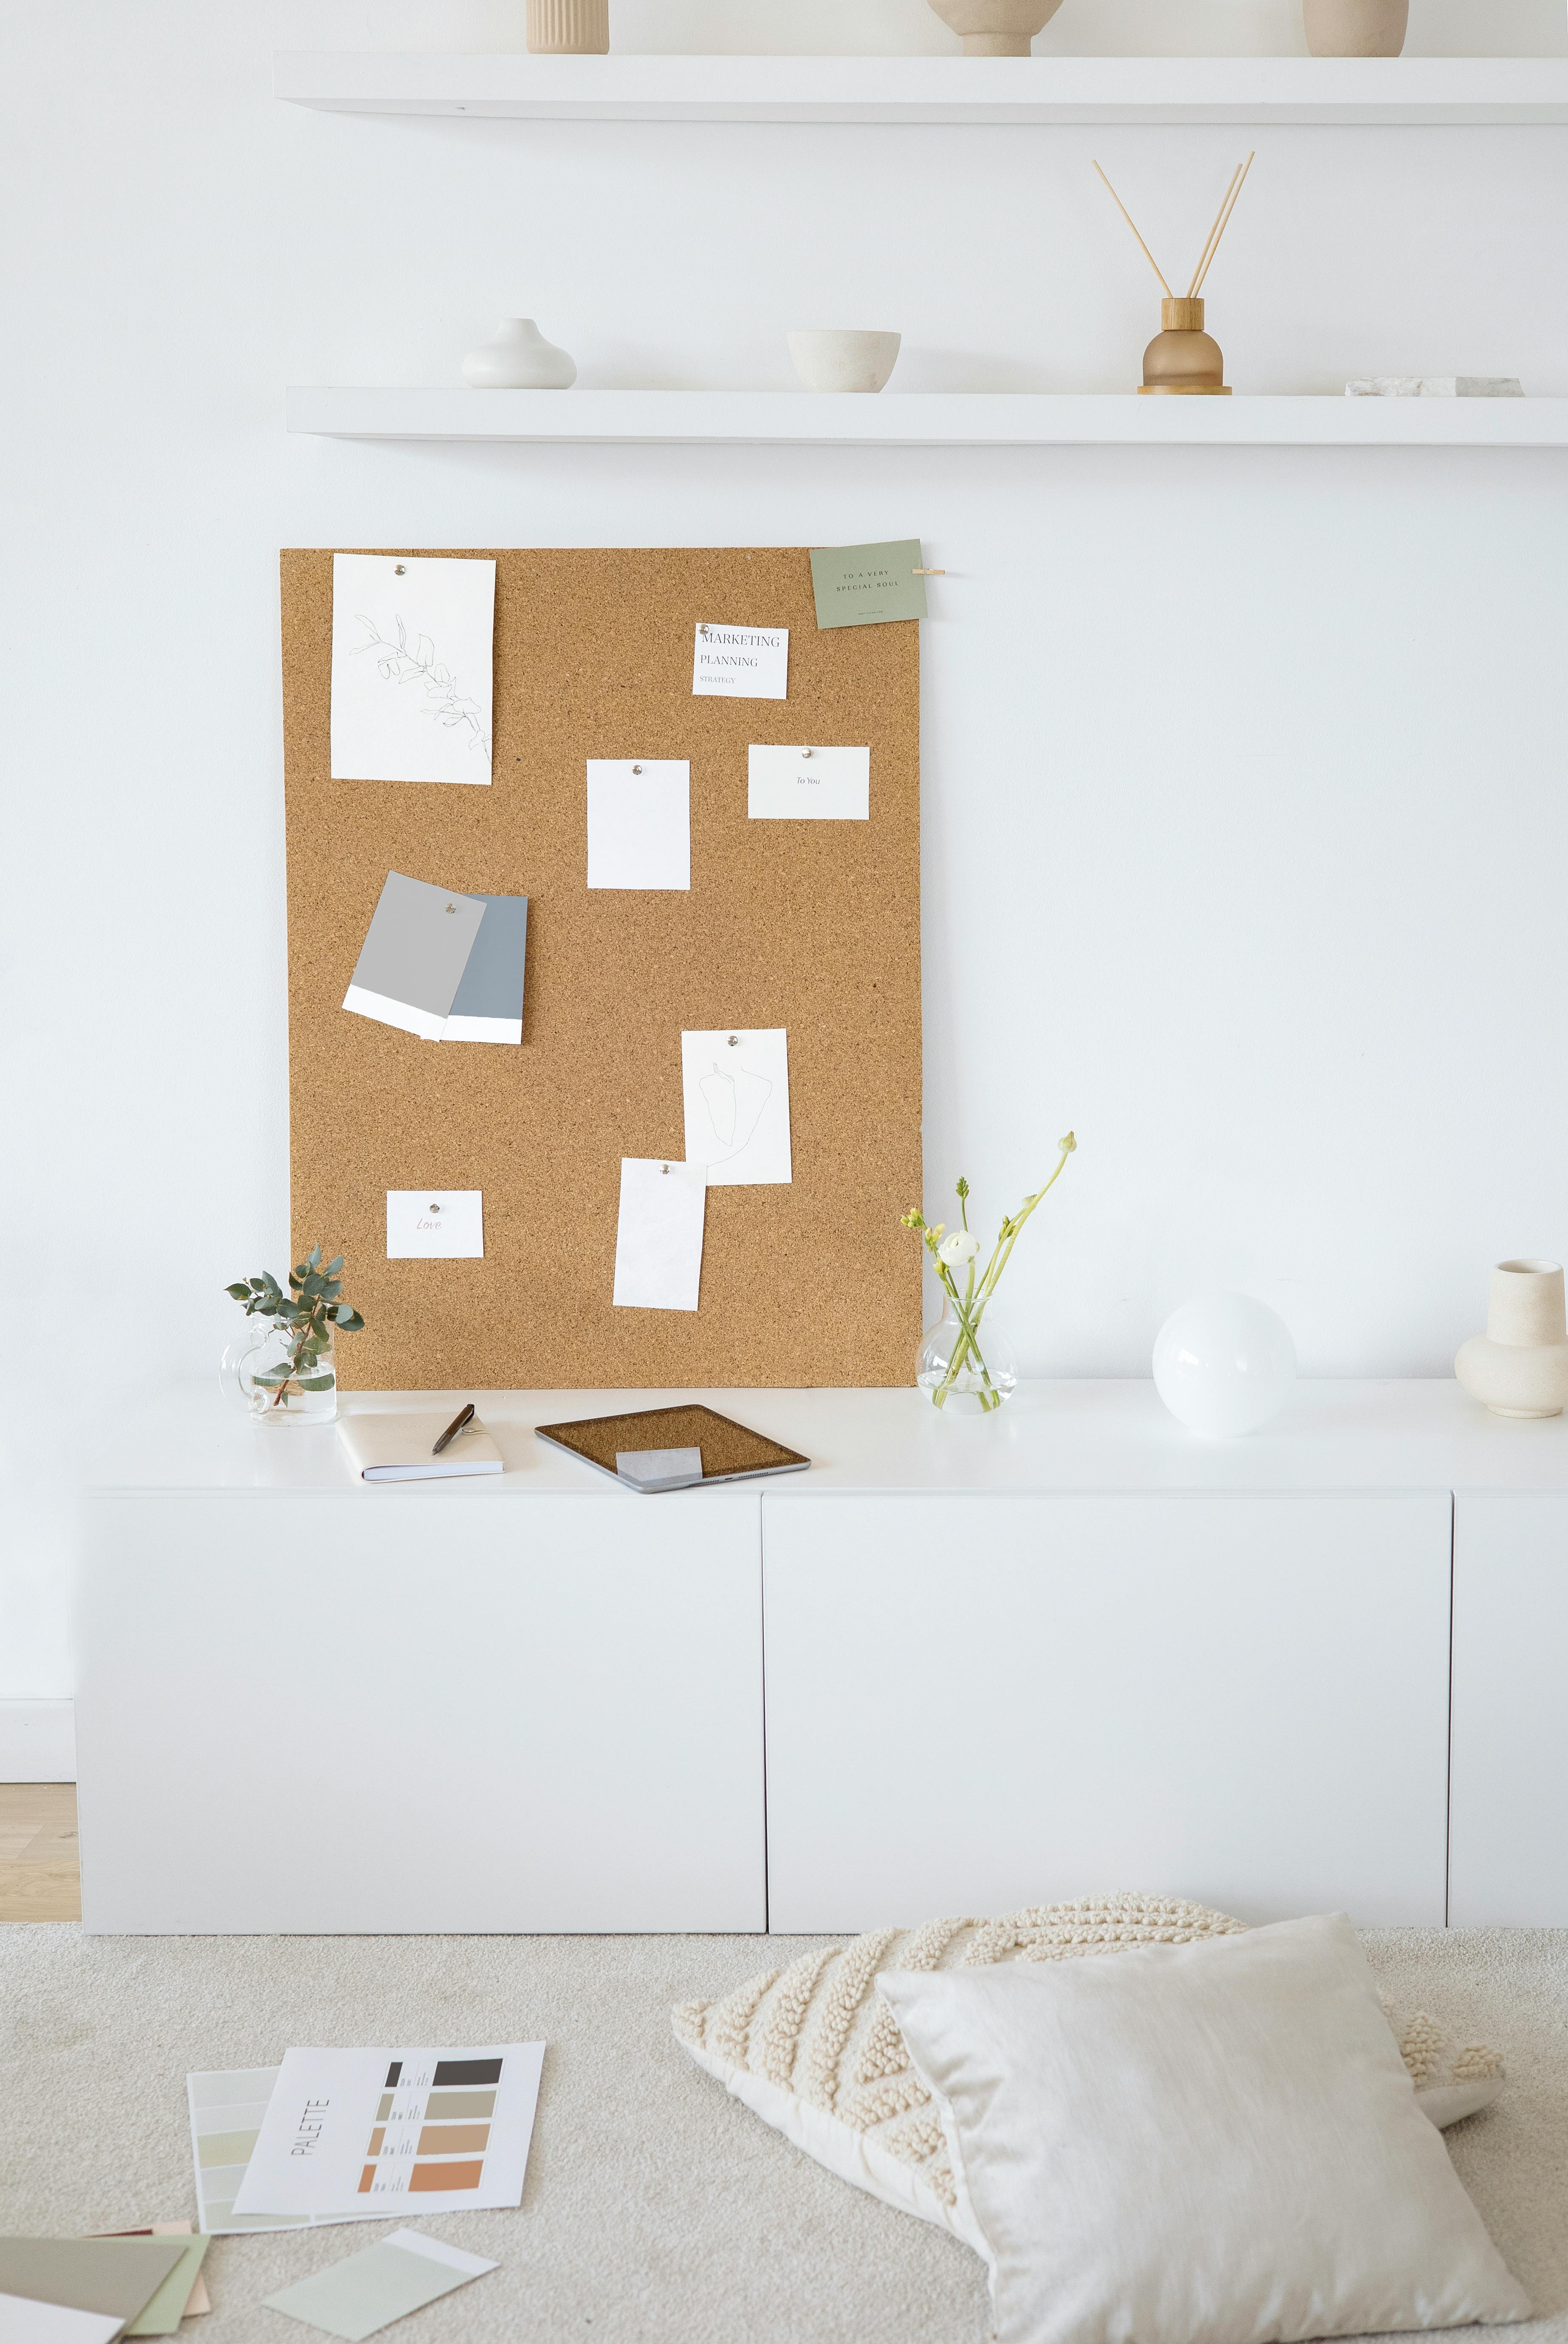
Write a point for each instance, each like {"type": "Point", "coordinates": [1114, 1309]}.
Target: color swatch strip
{"type": "Point", "coordinates": [440, 2127]}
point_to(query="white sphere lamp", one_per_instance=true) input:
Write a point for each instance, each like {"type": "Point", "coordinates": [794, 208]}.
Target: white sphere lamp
{"type": "Point", "coordinates": [1224, 1364]}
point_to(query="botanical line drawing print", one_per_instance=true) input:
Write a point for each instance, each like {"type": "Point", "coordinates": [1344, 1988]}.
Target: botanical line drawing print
{"type": "Point", "coordinates": [735, 1103]}
{"type": "Point", "coordinates": [398, 665]}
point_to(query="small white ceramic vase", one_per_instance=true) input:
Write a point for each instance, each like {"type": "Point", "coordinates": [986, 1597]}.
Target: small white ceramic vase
{"type": "Point", "coordinates": [568, 29]}
{"type": "Point", "coordinates": [519, 358]}
{"type": "Point", "coordinates": [827, 359]}
{"type": "Point", "coordinates": [1520, 1366]}
{"type": "Point", "coordinates": [1224, 1364]}
{"type": "Point", "coordinates": [996, 28]}
{"type": "Point", "coordinates": [1355, 28]}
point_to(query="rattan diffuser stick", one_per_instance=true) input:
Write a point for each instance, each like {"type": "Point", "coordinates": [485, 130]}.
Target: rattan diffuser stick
{"type": "Point", "coordinates": [1182, 359]}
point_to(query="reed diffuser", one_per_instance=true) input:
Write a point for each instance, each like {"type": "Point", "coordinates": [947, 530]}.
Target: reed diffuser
{"type": "Point", "coordinates": [1182, 361]}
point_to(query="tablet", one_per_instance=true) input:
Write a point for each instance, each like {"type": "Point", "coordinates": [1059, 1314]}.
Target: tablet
{"type": "Point", "coordinates": [653, 1449]}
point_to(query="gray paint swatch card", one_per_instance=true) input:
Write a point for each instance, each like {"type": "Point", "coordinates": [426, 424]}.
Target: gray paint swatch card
{"type": "Point", "coordinates": [867, 585]}
{"type": "Point", "coordinates": [487, 1006]}
{"type": "Point", "coordinates": [397, 2275]}
{"type": "Point", "coordinates": [412, 958]}
{"type": "Point", "coordinates": [110, 2275]}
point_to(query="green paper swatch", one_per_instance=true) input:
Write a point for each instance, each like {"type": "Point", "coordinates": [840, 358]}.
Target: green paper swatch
{"type": "Point", "coordinates": [164, 2313]}
{"type": "Point", "coordinates": [867, 585]}
{"type": "Point", "coordinates": [398, 2275]}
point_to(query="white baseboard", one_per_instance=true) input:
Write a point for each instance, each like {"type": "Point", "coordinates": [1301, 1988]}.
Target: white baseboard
{"type": "Point", "coordinates": [37, 1741]}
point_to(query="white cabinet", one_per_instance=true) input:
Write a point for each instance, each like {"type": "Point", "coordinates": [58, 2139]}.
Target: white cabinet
{"type": "Point", "coordinates": [1509, 1828]}
{"type": "Point", "coordinates": [976, 1702]}
{"type": "Point", "coordinates": [1066, 1652]}
{"type": "Point", "coordinates": [335, 1709]}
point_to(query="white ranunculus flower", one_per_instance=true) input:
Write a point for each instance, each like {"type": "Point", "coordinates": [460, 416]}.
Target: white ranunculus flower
{"type": "Point", "coordinates": [961, 1246]}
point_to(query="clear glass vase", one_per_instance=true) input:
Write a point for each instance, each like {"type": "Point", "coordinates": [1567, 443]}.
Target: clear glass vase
{"type": "Point", "coordinates": [969, 1371]}
{"type": "Point", "coordinates": [281, 1374]}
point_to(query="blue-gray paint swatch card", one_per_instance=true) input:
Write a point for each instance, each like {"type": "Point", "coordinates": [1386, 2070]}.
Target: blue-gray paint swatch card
{"type": "Point", "coordinates": [867, 585]}
{"type": "Point", "coordinates": [487, 1006]}
{"type": "Point", "coordinates": [397, 2275]}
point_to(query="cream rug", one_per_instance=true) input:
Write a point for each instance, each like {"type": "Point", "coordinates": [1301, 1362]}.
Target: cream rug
{"type": "Point", "coordinates": [658, 2209]}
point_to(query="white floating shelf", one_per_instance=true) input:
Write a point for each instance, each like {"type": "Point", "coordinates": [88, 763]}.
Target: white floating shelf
{"type": "Point", "coordinates": [927, 418]}
{"type": "Point", "coordinates": [992, 90]}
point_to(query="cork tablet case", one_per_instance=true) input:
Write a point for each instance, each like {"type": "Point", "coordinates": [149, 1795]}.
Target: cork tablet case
{"type": "Point", "coordinates": [730, 1452]}
{"type": "Point", "coordinates": [811, 925]}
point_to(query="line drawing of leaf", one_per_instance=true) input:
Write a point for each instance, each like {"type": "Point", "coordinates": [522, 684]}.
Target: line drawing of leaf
{"type": "Point", "coordinates": [395, 664]}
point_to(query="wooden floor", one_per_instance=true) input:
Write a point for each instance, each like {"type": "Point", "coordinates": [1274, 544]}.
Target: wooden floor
{"type": "Point", "coordinates": [38, 1878]}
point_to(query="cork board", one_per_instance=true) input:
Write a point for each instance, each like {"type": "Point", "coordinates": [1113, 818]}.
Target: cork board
{"type": "Point", "coordinates": [811, 925]}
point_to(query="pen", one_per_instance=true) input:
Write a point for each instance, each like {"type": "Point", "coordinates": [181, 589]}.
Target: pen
{"type": "Point", "coordinates": [464, 1417]}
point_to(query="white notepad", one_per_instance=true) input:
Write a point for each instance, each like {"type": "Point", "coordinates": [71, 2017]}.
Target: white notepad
{"type": "Point", "coordinates": [388, 1445]}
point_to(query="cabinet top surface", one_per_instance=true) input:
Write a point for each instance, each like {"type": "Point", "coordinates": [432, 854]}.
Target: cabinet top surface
{"type": "Point", "coordinates": [1103, 1437]}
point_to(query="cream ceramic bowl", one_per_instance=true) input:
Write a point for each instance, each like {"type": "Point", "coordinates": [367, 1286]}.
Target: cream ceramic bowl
{"type": "Point", "coordinates": [833, 360]}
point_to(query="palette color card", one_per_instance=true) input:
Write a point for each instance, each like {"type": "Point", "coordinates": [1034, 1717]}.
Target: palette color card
{"type": "Point", "coordinates": [436, 2131]}
{"type": "Point", "coordinates": [228, 2108]}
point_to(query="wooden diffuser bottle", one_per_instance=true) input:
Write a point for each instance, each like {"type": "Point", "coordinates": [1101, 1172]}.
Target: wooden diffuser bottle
{"type": "Point", "coordinates": [1182, 361]}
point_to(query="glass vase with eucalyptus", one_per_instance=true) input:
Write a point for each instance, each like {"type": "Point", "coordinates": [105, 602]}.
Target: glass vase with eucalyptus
{"type": "Point", "coordinates": [285, 1371]}
{"type": "Point", "coordinates": [965, 1364]}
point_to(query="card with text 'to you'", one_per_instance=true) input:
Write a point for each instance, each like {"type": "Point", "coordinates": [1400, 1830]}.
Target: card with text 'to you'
{"type": "Point", "coordinates": [658, 1235]}
{"type": "Point", "coordinates": [435, 1225]}
{"type": "Point", "coordinates": [426, 2132]}
{"type": "Point", "coordinates": [810, 785]}
{"type": "Point", "coordinates": [639, 822]}
{"type": "Point", "coordinates": [412, 660]}
{"type": "Point", "coordinates": [740, 662]}
{"type": "Point", "coordinates": [735, 1090]}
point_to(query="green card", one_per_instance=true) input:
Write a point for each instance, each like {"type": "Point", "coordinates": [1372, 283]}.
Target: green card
{"type": "Point", "coordinates": [163, 2315]}
{"type": "Point", "coordinates": [354, 2300]}
{"type": "Point", "coordinates": [867, 585]}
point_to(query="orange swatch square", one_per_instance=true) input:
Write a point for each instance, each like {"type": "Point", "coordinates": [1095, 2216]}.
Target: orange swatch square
{"type": "Point", "coordinates": [444, 2177]}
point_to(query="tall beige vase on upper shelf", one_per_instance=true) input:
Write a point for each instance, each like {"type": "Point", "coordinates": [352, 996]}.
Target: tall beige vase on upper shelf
{"type": "Point", "coordinates": [1520, 1366]}
{"type": "Point", "coordinates": [1355, 28]}
{"type": "Point", "coordinates": [568, 29]}
{"type": "Point", "coordinates": [996, 28]}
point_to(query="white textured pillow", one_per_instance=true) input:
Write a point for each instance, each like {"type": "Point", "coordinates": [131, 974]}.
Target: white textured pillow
{"type": "Point", "coordinates": [816, 2053]}
{"type": "Point", "coordinates": [1214, 2143]}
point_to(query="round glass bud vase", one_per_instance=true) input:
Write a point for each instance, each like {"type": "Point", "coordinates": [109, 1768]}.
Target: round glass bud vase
{"type": "Point", "coordinates": [965, 1374]}
{"type": "Point", "coordinates": [274, 1381]}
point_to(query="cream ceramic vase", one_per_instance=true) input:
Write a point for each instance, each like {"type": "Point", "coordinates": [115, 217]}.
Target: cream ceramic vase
{"type": "Point", "coordinates": [1520, 1366]}
{"type": "Point", "coordinates": [519, 358]}
{"type": "Point", "coordinates": [996, 28]}
{"type": "Point", "coordinates": [568, 29]}
{"type": "Point", "coordinates": [1355, 28]}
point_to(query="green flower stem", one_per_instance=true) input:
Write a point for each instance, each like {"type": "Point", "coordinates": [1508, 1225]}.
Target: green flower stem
{"type": "Point", "coordinates": [969, 1308]}
{"type": "Point", "coordinates": [968, 1345]}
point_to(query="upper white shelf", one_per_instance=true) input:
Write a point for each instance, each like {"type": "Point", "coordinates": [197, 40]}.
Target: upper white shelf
{"type": "Point", "coordinates": [927, 418]}
{"type": "Point", "coordinates": [997, 90]}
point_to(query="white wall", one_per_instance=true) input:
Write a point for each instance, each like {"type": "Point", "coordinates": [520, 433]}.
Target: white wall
{"type": "Point", "coordinates": [1245, 816]}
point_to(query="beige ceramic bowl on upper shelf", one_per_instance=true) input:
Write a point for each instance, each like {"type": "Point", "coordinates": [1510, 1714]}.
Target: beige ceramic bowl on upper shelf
{"type": "Point", "coordinates": [996, 28]}
{"type": "Point", "coordinates": [830, 359]}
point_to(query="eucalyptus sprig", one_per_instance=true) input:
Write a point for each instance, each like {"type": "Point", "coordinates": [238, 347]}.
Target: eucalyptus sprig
{"type": "Point", "coordinates": [960, 1251]}
{"type": "Point", "coordinates": [312, 1312]}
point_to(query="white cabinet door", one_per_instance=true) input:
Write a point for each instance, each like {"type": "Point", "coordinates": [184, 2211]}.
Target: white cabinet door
{"type": "Point", "coordinates": [1508, 1862]}
{"type": "Point", "coordinates": [420, 1712]}
{"type": "Point", "coordinates": [980, 1702]}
